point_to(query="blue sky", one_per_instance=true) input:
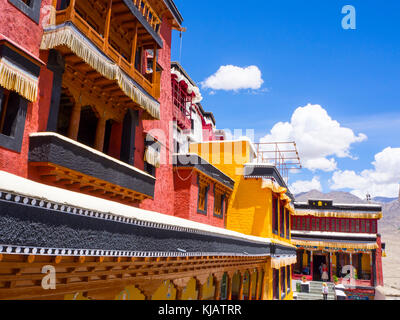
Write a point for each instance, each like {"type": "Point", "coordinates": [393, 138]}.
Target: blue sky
{"type": "Point", "coordinates": [305, 57]}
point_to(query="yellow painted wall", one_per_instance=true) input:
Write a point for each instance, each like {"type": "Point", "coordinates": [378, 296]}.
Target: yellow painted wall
{"type": "Point", "coordinates": [254, 277]}
{"type": "Point", "coordinates": [190, 292]}
{"type": "Point", "coordinates": [209, 289]}
{"type": "Point", "coordinates": [166, 291]}
{"type": "Point", "coordinates": [250, 206]}
{"type": "Point", "coordinates": [366, 262]}
{"type": "Point", "coordinates": [130, 293]}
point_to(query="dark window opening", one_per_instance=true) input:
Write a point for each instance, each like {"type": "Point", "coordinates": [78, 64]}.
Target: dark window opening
{"type": "Point", "coordinates": [87, 126]}
{"type": "Point", "coordinates": [275, 215]}
{"type": "Point", "coordinates": [65, 112]}
{"type": "Point", "coordinates": [276, 284]}
{"type": "Point", "coordinates": [12, 119]}
{"type": "Point", "coordinates": [9, 113]}
{"type": "Point", "coordinates": [107, 136]}
{"type": "Point", "coordinates": [150, 169]}
{"type": "Point", "coordinates": [287, 224]}
{"type": "Point", "coordinates": [288, 273]}
{"type": "Point", "coordinates": [282, 220]}
{"type": "Point", "coordinates": [283, 283]}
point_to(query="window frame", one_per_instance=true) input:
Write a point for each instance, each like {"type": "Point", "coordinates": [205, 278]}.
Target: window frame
{"type": "Point", "coordinates": [207, 188]}
{"type": "Point", "coordinates": [14, 142]}
{"type": "Point", "coordinates": [223, 196]}
{"type": "Point", "coordinates": [275, 215]}
{"type": "Point", "coordinates": [32, 11]}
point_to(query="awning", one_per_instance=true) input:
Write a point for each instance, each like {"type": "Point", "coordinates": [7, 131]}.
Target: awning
{"type": "Point", "coordinates": [67, 35]}
{"type": "Point", "coordinates": [337, 245]}
{"type": "Point", "coordinates": [338, 214]}
{"type": "Point", "coordinates": [152, 156]}
{"type": "Point", "coordinates": [14, 78]}
{"type": "Point", "coordinates": [282, 261]}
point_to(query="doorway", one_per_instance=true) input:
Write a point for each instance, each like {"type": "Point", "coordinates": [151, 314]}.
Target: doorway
{"type": "Point", "coordinates": [317, 261]}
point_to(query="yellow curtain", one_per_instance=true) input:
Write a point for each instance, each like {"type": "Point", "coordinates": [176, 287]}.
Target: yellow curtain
{"type": "Point", "coordinates": [343, 245]}
{"type": "Point", "coordinates": [15, 79]}
{"type": "Point", "coordinates": [331, 214]}
{"type": "Point", "coordinates": [277, 263]}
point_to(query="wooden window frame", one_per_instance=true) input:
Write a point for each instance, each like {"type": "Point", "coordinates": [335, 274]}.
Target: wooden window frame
{"type": "Point", "coordinates": [13, 142]}
{"type": "Point", "coordinates": [223, 196]}
{"type": "Point", "coordinates": [288, 282]}
{"type": "Point", "coordinates": [275, 215]}
{"type": "Point", "coordinates": [32, 10]}
{"type": "Point", "coordinates": [287, 219]}
{"type": "Point", "coordinates": [282, 227]}
{"type": "Point", "coordinates": [282, 278]}
{"type": "Point", "coordinates": [207, 188]}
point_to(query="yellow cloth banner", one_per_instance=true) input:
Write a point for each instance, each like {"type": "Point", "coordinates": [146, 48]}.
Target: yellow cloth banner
{"type": "Point", "coordinates": [344, 245]}
{"type": "Point", "coordinates": [338, 214]}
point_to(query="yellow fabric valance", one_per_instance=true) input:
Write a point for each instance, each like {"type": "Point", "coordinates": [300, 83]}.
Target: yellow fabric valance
{"type": "Point", "coordinates": [276, 188]}
{"type": "Point", "coordinates": [152, 156]}
{"type": "Point", "coordinates": [14, 78]}
{"type": "Point", "coordinates": [290, 209]}
{"type": "Point", "coordinates": [277, 263]}
{"type": "Point", "coordinates": [69, 36]}
{"type": "Point", "coordinates": [342, 245]}
{"type": "Point", "coordinates": [338, 214]}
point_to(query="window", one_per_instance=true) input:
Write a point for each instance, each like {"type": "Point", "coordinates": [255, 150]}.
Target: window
{"type": "Point", "coordinates": [275, 215]}
{"type": "Point", "coordinates": [202, 196]}
{"type": "Point", "coordinates": [30, 7]}
{"type": "Point", "coordinates": [287, 224]}
{"type": "Point", "coordinates": [353, 225]}
{"type": "Point", "coordinates": [342, 225]}
{"type": "Point", "coordinates": [219, 200]}
{"type": "Point", "coordinates": [313, 223]}
{"type": "Point", "coordinates": [374, 226]}
{"type": "Point", "coordinates": [282, 219]}
{"type": "Point", "coordinates": [283, 283]}
{"type": "Point", "coordinates": [328, 224]}
{"type": "Point", "coordinates": [367, 226]}
{"type": "Point", "coordinates": [317, 227]}
{"type": "Point", "coordinates": [347, 225]}
{"type": "Point", "coordinates": [337, 225]}
{"type": "Point", "coordinates": [362, 226]}
{"type": "Point", "coordinates": [276, 284]}
{"type": "Point", "coordinates": [357, 226]}
{"type": "Point", "coordinates": [12, 119]}
{"type": "Point", "coordinates": [307, 223]}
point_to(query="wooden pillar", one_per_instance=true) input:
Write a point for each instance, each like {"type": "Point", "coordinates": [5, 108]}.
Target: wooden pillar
{"type": "Point", "coordinates": [74, 121]}
{"type": "Point", "coordinates": [107, 25]}
{"type": "Point", "coordinates": [262, 294]}
{"type": "Point", "coordinates": [100, 131]}
{"type": "Point", "coordinates": [311, 265]}
{"type": "Point", "coordinates": [71, 9]}
{"type": "Point", "coordinates": [153, 79]}
{"type": "Point", "coordinates": [217, 292]}
{"type": "Point", "coordinates": [330, 266]}
{"type": "Point", "coordinates": [250, 286]}
{"type": "Point", "coordinates": [257, 283]}
{"type": "Point", "coordinates": [200, 292]}
{"type": "Point", "coordinates": [241, 287]}
{"type": "Point", "coordinates": [134, 45]}
{"type": "Point", "coordinates": [229, 290]}
{"type": "Point", "coordinates": [179, 292]}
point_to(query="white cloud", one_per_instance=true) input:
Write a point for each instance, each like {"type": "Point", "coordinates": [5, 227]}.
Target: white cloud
{"type": "Point", "coordinates": [318, 137]}
{"type": "Point", "coordinates": [383, 180]}
{"type": "Point", "coordinates": [234, 78]}
{"type": "Point", "coordinates": [304, 186]}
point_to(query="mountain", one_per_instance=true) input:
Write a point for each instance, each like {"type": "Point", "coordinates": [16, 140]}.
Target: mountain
{"type": "Point", "coordinates": [383, 199]}
{"type": "Point", "coordinates": [336, 196]}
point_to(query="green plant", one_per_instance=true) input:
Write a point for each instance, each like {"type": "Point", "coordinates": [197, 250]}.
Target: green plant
{"type": "Point", "coordinates": [335, 279]}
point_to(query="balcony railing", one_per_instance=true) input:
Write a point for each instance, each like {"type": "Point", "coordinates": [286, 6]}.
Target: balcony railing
{"type": "Point", "coordinates": [147, 81]}
{"type": "Point", "coordinates": [148, 13]}
{"type": "Point", "coordinates": [68, 164]}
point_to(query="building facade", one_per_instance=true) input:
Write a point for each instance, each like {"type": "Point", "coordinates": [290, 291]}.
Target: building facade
{"type": "Point", "coordinates": [345, 238]}
{"type": "Point", "coordinates": [100, 181]}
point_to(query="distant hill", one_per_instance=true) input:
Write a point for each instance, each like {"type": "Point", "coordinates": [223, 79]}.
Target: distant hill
{"type": "Point", "coordinates": [383, 199]}
{"type": "Point", "coordinates": [336, 196]}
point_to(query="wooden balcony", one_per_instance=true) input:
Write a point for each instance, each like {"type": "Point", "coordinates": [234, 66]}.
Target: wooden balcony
{"type": "Point", "coordinates": [108, 34]}
{"type": "Point", "coordinates": [59, 161]}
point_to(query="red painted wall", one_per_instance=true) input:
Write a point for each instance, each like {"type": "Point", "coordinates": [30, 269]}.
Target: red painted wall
{"type": "Point", "coordinates": [379, 270]}
{"type": "Point", "coordinates": [18, 27]}
{"type": "Point", "coordinates": [186, 198]}
{"type": "Point", "coordinates": [164, 190]}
